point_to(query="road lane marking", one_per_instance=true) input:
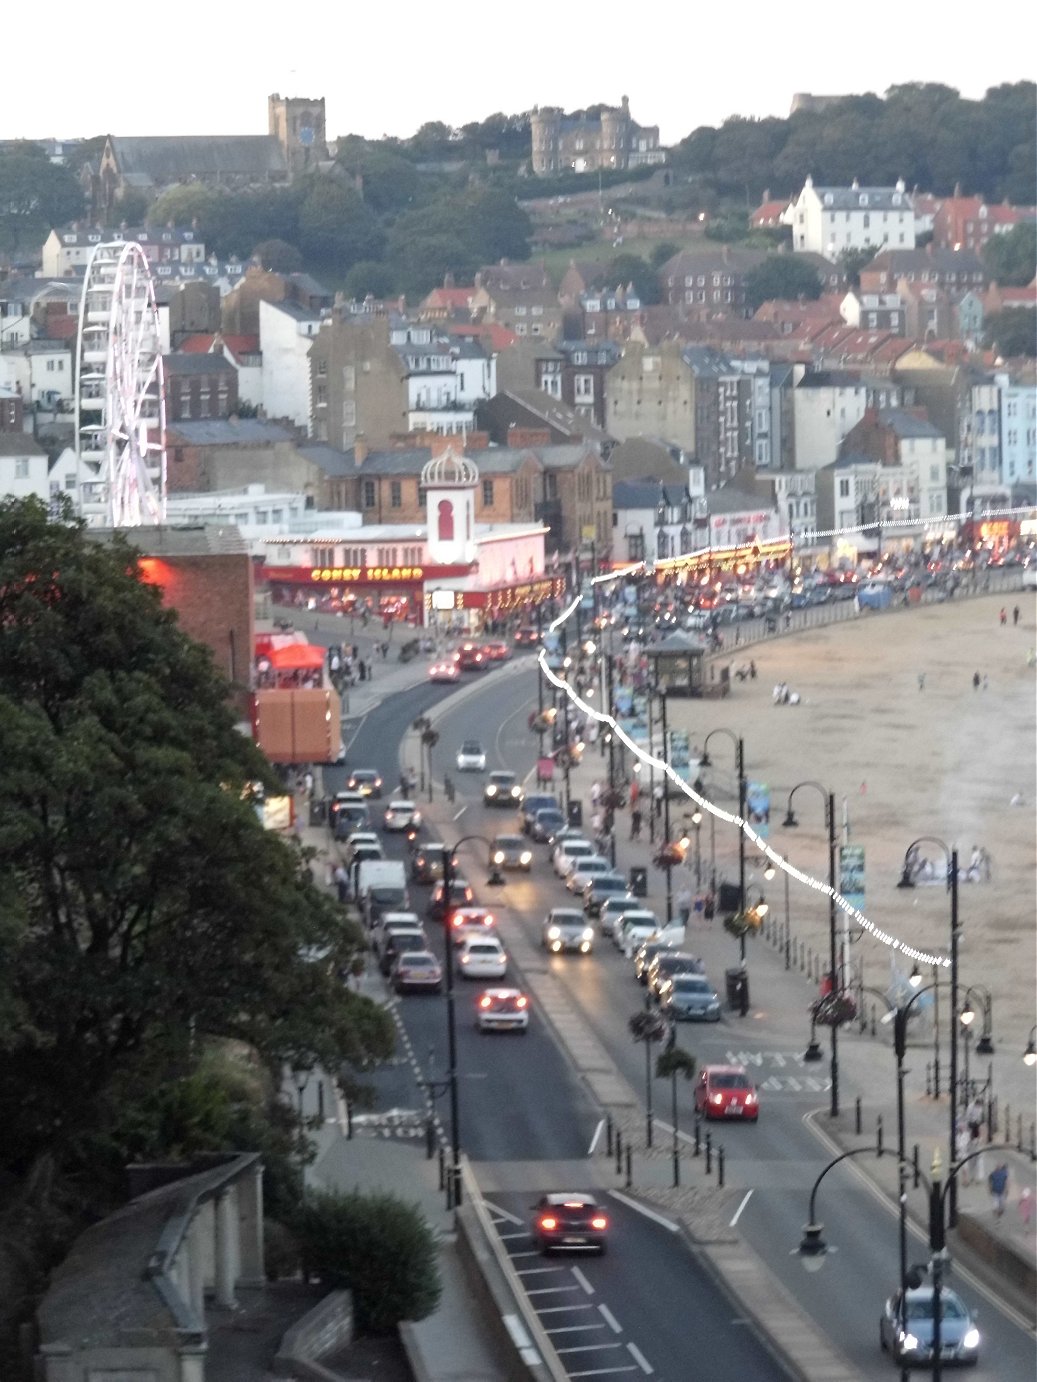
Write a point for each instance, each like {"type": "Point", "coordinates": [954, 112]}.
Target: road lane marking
{"type": "Point", "coordinates": [458, 814]}
{"type": "Point", "coordinates": [586, 1348]}
{"type": "Point", "coordinates": [508, 1237]}
{"type": "Point", "coordinates": [738, 1211]}
{"type": "Point", "coordinates": [538, 1271]}
{"type": "Point", "coordinates": [502, 1213]}
{"type": "Point", "coordinates": [597, 1134]}
{"type": "Point", "coordinates": [600, 1372]}
{"type": "Point", "coordinates": [563, 1309]}
{"type": "Point", "coordinates": [550, 1290]}
{"type": "Point", "coordinates": [610, 1319]}
{"type": "Point", "coordinates": [574, 1328]}
{"type": "Point", "coordinates": [643, 1209]}
{"type": "Point", "coordinates": [639, 1358]}
{"type": "Point", "coordinates": [582, 1280]}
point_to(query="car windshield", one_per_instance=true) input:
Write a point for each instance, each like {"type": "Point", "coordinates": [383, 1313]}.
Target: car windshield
{"type": "Point", "coordinates": [484, 949]}
{"type": "Point", "coordinates": [609, 885]}
{"type": "Point", "coordinates": [549, 817]}
{"type": "Point", "coordinates": [687, 984]}
{"type": "Point", "coordinates": [419, 960]}
{"type": "Point", "coordinates": [502, 779]}
{"type": "Point", "coordinates": [471, 746]}
{"type": "Point", "coordinates": [950, 1308]}
{"type": "Point", "coordinates": [511, 842]}
{"type": "Point", "coordinates": [730, 1080]}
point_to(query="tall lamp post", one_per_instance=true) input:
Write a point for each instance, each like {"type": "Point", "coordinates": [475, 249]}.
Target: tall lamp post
{"type": "Point", "coordinates": [985, 1040]}
{"type": "Point", "coordinates": [907, 881]}
{"type": "Point", "coordinates": [706, 762]}
{"type": "Point", "coordinates": [495, 880]}
{"type": "Point", "coordinates": [830, 824]}
{"type": "Point", "coordinates": [1030, 1054]}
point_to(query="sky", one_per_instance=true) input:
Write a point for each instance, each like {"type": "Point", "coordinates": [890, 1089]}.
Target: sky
{"type": "Point", "coordinates": [388, 68]}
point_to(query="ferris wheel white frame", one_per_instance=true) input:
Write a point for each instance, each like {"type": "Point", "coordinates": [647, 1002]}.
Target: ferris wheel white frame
{"type": "Point", "coordinates": [120, 391]}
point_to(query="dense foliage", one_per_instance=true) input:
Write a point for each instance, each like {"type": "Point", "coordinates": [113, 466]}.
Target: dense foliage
{"type": "Point", "coordinates": [1012, 332]}
{"type": "Point", "coordinates": [1012, 258]}
{"type": "Point", "coordinates": [35, 195]}
{"type": "Point", "coordinates": [782, 276]}
{"type": "Point", "coordinates": [377, 1246]}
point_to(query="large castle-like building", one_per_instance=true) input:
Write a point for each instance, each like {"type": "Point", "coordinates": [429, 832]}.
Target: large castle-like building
{"type": "Point", "coordinates": [582, 144]}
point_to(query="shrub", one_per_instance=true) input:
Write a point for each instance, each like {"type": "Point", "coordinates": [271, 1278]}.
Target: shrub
{"type": "Point", "coordinates": [377, 1246]}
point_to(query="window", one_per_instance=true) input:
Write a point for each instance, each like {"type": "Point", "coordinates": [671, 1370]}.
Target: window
{"type": "Point", "coordinates": [21, 468]}
{"type": "Point", "coordinates": [368, 494]}
{"type": "Point", "coordinates": [635, 547]}
{"type": "Point", "coordinates": [487, 493]}
{"type": "Point", "coordinates": [583, 387]}
{"type": "Point", "coordinates": [349, 378]}
{"type": "Point", "coordinates": [349, 413]}
{"type": "Point", "coordinates": [322, 369]}
{"type": "Point", "coordinates": [844, 489]}
{"type": "Point", "coordinates": [934, 474]}
{"type": "Point", "coordinates": [395, 494]}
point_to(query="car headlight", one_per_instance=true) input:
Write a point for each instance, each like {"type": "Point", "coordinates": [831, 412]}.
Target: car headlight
{"type": "Point", "coordinates": [553, 933]}
{"type": "Point", "coordinates": [514, 791]}
{"type": "Point", "coordinates": [491, 791]}
{"type": "Point", "coordinates": [498, 857]}
{"type": "Point", "coordinates": [525, 857]}
{"type": "Point", "coordinates": [588, 933]}
{"type": "Point", "coordinates": [908, 1343]}
{"type": "Point", "coordinates": [971, 1339]}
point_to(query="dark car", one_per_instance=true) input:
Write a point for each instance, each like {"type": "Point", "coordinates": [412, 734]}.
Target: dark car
{"type": "Point", "coordinates": [502, 790]}
{"type": "Point", "coordinates": [398, 943]}
{"type": "Point", "coordinates": [461, 895]}
{"type": "Point", "coordinates": [511, 852]}
{"type": "Point", "coordinates": [569, 1220]}
{"type": "Point", "coordinates": [349, 817]}
{"type": "Point", "coordinates": [689, 997]}
{"type": "Point", "coordinates": [537, 801]}
{"type": "Point", "coordinates": [428, 863]}
{"type": "Point", "coordinates": [666, 964]}
{"type": "Point", "coordinates": [546, 824]}
{"type": "Point", "coordinates": [600, 889]}
{"type": "Point", "coordinates": [366, 781]}
{"type": "Point", "coordinates": [526, 637]}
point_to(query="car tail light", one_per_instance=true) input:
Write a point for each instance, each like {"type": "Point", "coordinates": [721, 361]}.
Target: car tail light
{"type": "Point", "coordinates": [521, 1002]}
{"type": "Point", "coordinates": [548, 1222]}
{"type": "Point", "coordinates": [599, 1221]}
{"type": "Point", "coordinates": [485, 1002]}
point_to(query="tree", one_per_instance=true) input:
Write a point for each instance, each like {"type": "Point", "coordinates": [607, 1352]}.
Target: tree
{"type": "Point", "coordinates": [278, 256]}
{"type": "Point", "coordinates": [145, 908]}
{"type": "Point", "coordinates": [1012, 332]}
{"type": "Point", "coordinates": [851, 261]}
{"type": "Point", "coordinates": [1012, 258]}
{"type": "Point", "coordinates": [369, 277]}
{"type": "Point", "coordinates": [661, 252]}
{"type": "Point", "coordinates": [35, 196]}
{"type": "Point", "coordinates": [376, 1246]}
{"type": "Point", "coordinates": [336, 228]}
{"type": "Point", "coordinates": [782, 276]}
{"type": "Point", "coordinates": [631, 268]}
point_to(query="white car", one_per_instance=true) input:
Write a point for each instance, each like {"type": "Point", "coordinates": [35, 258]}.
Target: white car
{"type": "Point", "coordinates": [482, 957]}
{"type": "Point", "coordinates": [566, 928]}
{"type": "Point", "coordinates": [614, 909]}
{"type": "Point", "coordinates": [500, 1010]}
{"type": "Point", "coordinates": [471, 757]}
{"type": "Point", "coordinates": [634, 929]}
{"type": "Point", "coordinates": [401, 815]}
{"type": "Point", "coordinates": [568, 852]}
{"type": "Point", "coordinates": [390, 922]}
{"type": "Point", "coordinates": [585, 870]}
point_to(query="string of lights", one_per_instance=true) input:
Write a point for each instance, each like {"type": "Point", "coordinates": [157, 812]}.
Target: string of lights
{"type": "Point", "coordinates": [778, 861]}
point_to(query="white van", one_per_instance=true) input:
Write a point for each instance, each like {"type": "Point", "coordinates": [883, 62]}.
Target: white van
{"type": "Point", "coordinates": [381, 886]}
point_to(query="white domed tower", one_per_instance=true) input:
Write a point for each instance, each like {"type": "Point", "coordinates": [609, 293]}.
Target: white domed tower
{"type": "Point", "coordinates": [449, 481]}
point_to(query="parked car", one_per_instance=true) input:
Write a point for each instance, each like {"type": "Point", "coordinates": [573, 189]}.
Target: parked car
{"type": "Point", "coordinates": [536, 801]}
{"type": "Point", "coordinates": [366, 781]}
{"type": "Point", "coordinates": [567, 1219]}
{"type": "Point", "coordinates": [482, 957]}
{"type": "Point", "coordinates": [566, 929]}
{"type": "Point", "coordinates": [471, 757]}
{"type": "Point", "coordinates": [502, 1010]}
{"type": "Point", "coordinates": [616, 907]}
{"type": "Point", "coordinates": [599, 890]}
{"type": "Point", "coordinates": [689, 997]}
{"type": "Point", "coordinates": [546, 824]}
{"type": "Point", "coordinates": [401, 815]}
{"type": "Point", "coordinates": [726, 1091]}
{"type": "Point", "coordinates": [501, 789]}
{"type": "Point", "coordinates": [585, 871]}
{"type": "Point", "coordinates": [417, 970]}
{"type": "Point", "coordinates": [633, 929]}
{"type": "Point", "coordinates": [570, 852]}
{"type": "Point", "coordinates": [645, 954]}
{"type": "Point", "coordinates": [511, 852]}
{"type": "Point", "coordinates": [910, 1339]}
{"type": "Point", "coordinates": [666, 963]}
{"type": "Point", "coordinates": [427, 866]}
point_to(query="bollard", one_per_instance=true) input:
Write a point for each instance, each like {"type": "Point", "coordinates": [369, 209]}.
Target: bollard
{"type": "Point", "coordinates": [676, 1165]}
{"type": "Point", "coordinates": [1008, 1122]}
{"type": "Point", "coordinates": [320, 1100]}
{"type": "Point", "coordinates": [709, 1152]}
{"type": "Point", "coordinates": [1033, 1141]}
{"type": "Point", "coordinates": [619, 1151]}
{"type": "Point", "coordinates": [608, 1134]}
{"type": "Point", "coordinates": [914, 1166]}
{"type": "Point", "coordinates": [874, 1027]}
{"type": "Point", "coordinates": [802, 953]}
{"type": "Point", "coordinates": [859, 1126]}
{"type": "Point", "coordinates": [878, 1135]}
{"type": "Point", "coordinates": [698, 1141]}
{"type": "Point", "coordinates": [720, 1168]}
{"type": "Point", "coordinates": [442, 1169]}
{"type": "Point", "coordinates": [992, 1118]}
{"type": "Point", "coordinates": [1019, 1132]}
{"type": "Point", "coordinates": [928, 1079]}
{"type": "Point", "coordinates": [430, 1142]}
{"type": "Point", "coordinates": [630, 1168]}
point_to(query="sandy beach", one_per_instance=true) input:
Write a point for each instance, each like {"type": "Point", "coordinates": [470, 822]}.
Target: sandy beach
{"type": "Point", "coordinates": [943, 760]}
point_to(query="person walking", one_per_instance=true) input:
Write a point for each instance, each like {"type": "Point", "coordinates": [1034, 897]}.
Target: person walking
{"type": "Point", "coordinates": [635, 824]}
{"type": "Point", "coordinates": [684, 900]}
{"type": "Point", "coordinates": [921, 681]}
{"type": "Point", "coordinates": [998, 1182]}
{"type": "Point", "coordinates": [1003, 616]}
{"type": "Point", "coordinates": [976, 679]}
{"type": "Point", "coordinates": [1015, 615]}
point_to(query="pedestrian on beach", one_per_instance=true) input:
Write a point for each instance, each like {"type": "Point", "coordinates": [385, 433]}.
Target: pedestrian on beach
{"type": "Point", "coordinates": [976, 679]}
{"type": "Point", "coordinates": [998, 1182]}
{"type": "Point", "coordinates": [1015, 615]}
{"type": "Point", "coordinates": [921, 681]}
{"type": "Point", "coordinates": [1003, 616]}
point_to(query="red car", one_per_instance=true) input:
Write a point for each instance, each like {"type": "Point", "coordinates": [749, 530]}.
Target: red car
{"type": "Point", "coordinates": [496, 652]}
{"type": "Point", "coordinates": [526, 637]}
{"type": "Point", "coordinates": [727, 1092]}
{"type": "Point", "coordinates": [471, 658]}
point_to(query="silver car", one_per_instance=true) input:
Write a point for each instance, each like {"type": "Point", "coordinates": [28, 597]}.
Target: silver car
{"type": "Point", "coordinates": [565, 928]}
{"type": "Point", "coordinates": [910, 1339]}
{"type": "Point", "coordinates": [511, 852]}
{"type": "Point", "coordinates": [689, 998]}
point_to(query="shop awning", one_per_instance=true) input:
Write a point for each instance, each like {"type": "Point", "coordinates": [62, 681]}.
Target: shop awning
{"type": "Point", "coordinates": [297, 657]}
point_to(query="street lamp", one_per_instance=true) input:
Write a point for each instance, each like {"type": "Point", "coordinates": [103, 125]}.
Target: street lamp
{"type": "Point", "coordinates": [495, 880]}
{"type": "Point", "coordinates": [648, 1026]}
{"type": "Point", "coordinates": [696, 820]}
{"type": "Point", "coordinates": [791, 822]}
{"type": "Point", "coordinates": [1030, 1054]}
{"type": "Point", "coordinates": [907, 881]}
{"type": "Point", "coordinates": [705, 762]}
{"type": "Point", "coordinates": [984, 1043]}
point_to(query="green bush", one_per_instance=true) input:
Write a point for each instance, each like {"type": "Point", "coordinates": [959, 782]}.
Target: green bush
{"type": "Point", "coordinates": [377, 1246]}
{"type": "Point", "coordinates": [280, 1251]}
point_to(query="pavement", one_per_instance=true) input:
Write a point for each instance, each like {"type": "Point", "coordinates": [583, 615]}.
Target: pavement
{"type": "Point", "coordinates": [903, 761]}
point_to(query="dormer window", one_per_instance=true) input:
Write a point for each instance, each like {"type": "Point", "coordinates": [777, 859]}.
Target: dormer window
{"type": "Point", "coordinates": [828, 199]}
{"type": "Point", "coordinates": [897, 199]}
{"type": "Point", "coordinates": [862, 200]}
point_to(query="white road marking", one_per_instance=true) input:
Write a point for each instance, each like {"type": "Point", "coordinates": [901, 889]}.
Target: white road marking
{"type": "Point", "coordinates": [600, 1372]}
{"type": "Point", "coordinates": [738, 1211]}
{"type": "Point", "coordinates": [538, 1271]}
{"type": "Point", "coordinates": [610, 1319]}
{"type": "Point", "coordinates": [550, 1290]}
{"type": "Point", "coordinates": [583, 1281]}
{"type": "Point", "coordinates": [574, 1328]}
{"type": "Point", "coordinates": [639, 1358]}
{"type": "Point", "coordinates": [502, 1213]}
{"type": "Point", "coordinates": [594, 1140]}
{"type": "Point", "coordinates": [587, 1348]}
{"type": "Point", "coordinates": [459, 814]}
{"type": "Point", "coordinates": [643, 1209]}
{"type": "Point", "coordinates": [559, 1309]}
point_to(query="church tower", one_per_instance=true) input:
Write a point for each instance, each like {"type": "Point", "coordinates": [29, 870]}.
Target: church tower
{"type": "Point", "coordinates": [297, 123]}
{"type": "Point", "coordinates": [449, 482]}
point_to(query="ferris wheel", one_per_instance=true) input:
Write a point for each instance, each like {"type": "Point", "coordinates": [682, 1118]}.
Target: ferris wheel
{"type": "Point", "coordinates": [120, 398]}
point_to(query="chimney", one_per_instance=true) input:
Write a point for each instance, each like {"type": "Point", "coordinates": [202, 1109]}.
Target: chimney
{"type": "Point", "coordinates": [448, 279]}
{"type": "Point", "coordinates": [360, 449]}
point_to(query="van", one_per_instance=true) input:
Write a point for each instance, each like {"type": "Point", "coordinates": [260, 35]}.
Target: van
{"type": "Point", "coordinates": [381, 886]}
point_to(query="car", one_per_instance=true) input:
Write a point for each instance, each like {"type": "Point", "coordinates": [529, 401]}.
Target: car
{"type": "Point", "coordinates": [645, 954]}
{"type": "Point", "coordinates": [566, 929]}
{"type": "Point", "coordinates": [634, 928]}
{"type": "Point", "coordinates": [444, 672]}
{"type": "Point", "coordinates": [910, 1339]}
{"type": "Point", "coordinates": [366, 781]}
{"type": "Point", "coordinates": [427, 865]}
{"type": "Point", "coordinates": [401, 815]}
{"type": "Point", "coordinates": [536, 801]}
{"type": "Point", "coordinates": [469, 921]}
{"type": "Point", "coordinates": [613, 908]}
{"type": "Point", "coordinates": [364, 851]}
{"type": "Point", "coordinates": [354, 840]}
{"type": "Point", "coordinates": [570, 852]}
{"type": "Point", "coordinates": [600, 889]}
{"type": "Point", "coordinates": [350, 818]}
{"type": "Point", "coordinates": [511, 852]}
{"type": "Point", "coordinates": [471, 658]}
{"type": "Point", "coordinates": [666, 963]}
{"type": "Point", "coordinates": [416, 969]}
{"type": "Point", "coordinates": [727, 1092]}
{"type": "Point", "coordinates": [502, 1010]}
{"type": "Point", "coordinates": [526, 637]}
{"type": "Point", "coordinates": [689, 997]}
{"type": "Point", "coordinates": [501, 790]}
{"type": "Point", "coordinates": [399, 943]}
{"type": "Point", "coordinates": [497, 651]}
{"type": "Point", "coordinates": [389, 923]}
{"type": "Point", "coordinates": [546, 824]}
{"type": "Point", "coordinates": [343, 799]}
{"type": "Point", "coordinates": [568, 1219]}
{"type": "Point", "coordinates": [460, 896]}
{"type": "Point", "coordinates": [585, 870]}
{"type": "Point", "coordinates": [481, 957]}
{"type": "Point", "coordinates": [471, 757]}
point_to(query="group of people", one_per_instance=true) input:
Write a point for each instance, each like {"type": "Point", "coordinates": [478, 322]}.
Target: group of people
{"type": "Point", "coordinates": [783, 695]}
